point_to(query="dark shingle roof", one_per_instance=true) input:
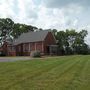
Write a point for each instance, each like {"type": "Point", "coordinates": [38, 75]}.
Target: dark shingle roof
{"type": "Point", "coordinates": [32, 37]}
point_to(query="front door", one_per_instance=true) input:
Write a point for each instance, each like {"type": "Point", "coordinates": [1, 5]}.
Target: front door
{"type": "Point", "coordinates": [48, 50]}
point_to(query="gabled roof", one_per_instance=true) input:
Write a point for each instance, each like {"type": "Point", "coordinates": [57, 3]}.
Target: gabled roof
{"type": "Point", "coordinates": [32, 37]}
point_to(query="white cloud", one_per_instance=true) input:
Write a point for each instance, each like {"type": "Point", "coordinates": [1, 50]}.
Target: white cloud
{"type": "Point", "coordinates": [57, 18]}
{"type": "Point", "coordinates": [50, 18]}
{"type": "Point", "coordinates": [26, 11]}
{"type": "Point", "coordinates": [5, 8]}
{"type": "Point", "coordinates": [39, 15]}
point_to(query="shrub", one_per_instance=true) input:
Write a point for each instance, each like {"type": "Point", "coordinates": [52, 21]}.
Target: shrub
{"type": "Point", "coordinates": [35, 54]}
{"type": "Point", "coordinates": [2, 54]}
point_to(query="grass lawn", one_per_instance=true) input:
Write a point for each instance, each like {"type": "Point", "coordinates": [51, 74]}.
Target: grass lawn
{"type": "Point", "coordinates": [58, 73]}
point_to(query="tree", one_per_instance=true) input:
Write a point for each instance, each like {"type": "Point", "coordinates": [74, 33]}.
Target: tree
{"type": "Point", "coordinates": [61, 37]}
{"type": "Point", "coordinates": [21, 28]}
{"type": "Point", "coordinates": [6, 28]}
{"type": "Point", "coordinates": [72, 42]}
{"type": "Point", "coordinates": [79, 45]}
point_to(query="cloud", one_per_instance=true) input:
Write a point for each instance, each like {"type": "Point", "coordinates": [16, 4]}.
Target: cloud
{"type": "Point", "coordinates": [5, 6]}
{"type": "Point", "coordinates": [31, 12]}
{"type": "Point", "coordinates": [64, 3]}
{"type": "Point", "coordinates": [58, 18]}
{"type": "Point", "coordinates": [27, 10]}
{"type": "Point", "coordinates": [48, 18]}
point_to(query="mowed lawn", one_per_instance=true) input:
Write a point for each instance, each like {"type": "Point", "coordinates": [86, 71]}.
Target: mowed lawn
{"type": "Point", "coordinates": [56, 73]}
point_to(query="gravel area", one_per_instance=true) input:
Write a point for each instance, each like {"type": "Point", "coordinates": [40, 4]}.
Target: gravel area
{"type": "Point", "coordinates": [11, 59]}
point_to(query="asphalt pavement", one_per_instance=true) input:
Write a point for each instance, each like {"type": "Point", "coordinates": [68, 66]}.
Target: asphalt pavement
{"type": "Point", "coordinates": [11, 59]}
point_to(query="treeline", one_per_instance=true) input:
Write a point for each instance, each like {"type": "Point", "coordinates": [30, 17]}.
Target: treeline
{"type": "Point", "coordinates": [71, 42]}
{"type": "Point", "coordinates": [68, 41]}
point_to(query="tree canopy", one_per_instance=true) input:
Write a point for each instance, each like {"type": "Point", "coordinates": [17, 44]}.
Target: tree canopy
{"type": "Point", "coordinates": [6, 28]}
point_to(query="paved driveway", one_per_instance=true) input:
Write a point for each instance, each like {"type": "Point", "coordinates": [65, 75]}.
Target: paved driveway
{"type": "Point", "coordinates": [11, 59]}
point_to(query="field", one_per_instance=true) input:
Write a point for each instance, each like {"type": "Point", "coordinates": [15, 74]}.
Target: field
{"type": "Point", "coordinates": [56, 73]}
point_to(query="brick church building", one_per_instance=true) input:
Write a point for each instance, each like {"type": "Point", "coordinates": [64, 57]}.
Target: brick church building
{"type": "Point", "coordinates": [43, 41]}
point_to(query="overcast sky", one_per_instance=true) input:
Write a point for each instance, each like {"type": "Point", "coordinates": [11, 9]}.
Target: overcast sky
{"type": "Point", "coordinates": [59, 14]}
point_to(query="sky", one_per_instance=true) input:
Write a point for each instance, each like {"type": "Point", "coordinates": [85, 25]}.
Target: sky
{"type": "Point", "coordinates": [54, 14]}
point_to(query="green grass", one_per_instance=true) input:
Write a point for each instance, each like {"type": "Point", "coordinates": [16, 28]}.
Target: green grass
{"type": "Point", "coordinates": [58, 73]}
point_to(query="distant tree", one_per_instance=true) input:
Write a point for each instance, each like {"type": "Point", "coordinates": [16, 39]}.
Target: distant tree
{"type": "Point", "coordinates": [6, 28]}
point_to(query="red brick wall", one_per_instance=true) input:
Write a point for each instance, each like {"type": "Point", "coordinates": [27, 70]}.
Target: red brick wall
{"type": "Point", "coordinates": [11, 50]}
{"type": "Point", "coordinates": [26, 51]}
{"type": "Point", "coordinates": [36, 46]}
{"type": "Point", "coordinates": [32, 46]}
{"type": "Point", "coordinates": [11, 53]}
{"type": "Point", "coordinates": [49, 40]}
{"type": "Point", "coordinates": [4, 47]}
{"type": "Point", "coordinates": [39, 46]}
{"type": "Point", "coordinates": [19, 50]}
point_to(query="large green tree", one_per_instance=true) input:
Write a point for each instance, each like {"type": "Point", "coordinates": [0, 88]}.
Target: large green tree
{"type": "Point", "coordinates": [79, 45]}
{"type": "Point", "coordinates": [10, 30]}
{"type": "Point", "coordinates": [72, 42]}
{"type": "Point", "coordinates": [21, 28]}
{"type": "Point", "coordinates": [6, 28]}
